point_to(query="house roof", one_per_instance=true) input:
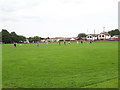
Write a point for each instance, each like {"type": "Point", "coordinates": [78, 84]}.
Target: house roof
{"type": "Point", "coordinates": [105, 33]}
{"type": "Point", "coordinates": [93, 34]}
{"type": "Point", "coordinates": [72, 39]}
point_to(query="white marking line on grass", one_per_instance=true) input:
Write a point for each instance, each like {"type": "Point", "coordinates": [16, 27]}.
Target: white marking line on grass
{"type": "Point", "coordinates": [99, 82]}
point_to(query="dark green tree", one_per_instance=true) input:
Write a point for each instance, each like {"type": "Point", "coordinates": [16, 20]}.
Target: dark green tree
{"type": "Point", "coordinates": [11, 37]}
{"type": "Point", "coordinates": [36, 38]}
{"type": "Point", "coordinates": [5, 36]}
{"type": "Point", "coordinates": [48, 38]}
{"type": "Point", "coordinates": [21, 38]}
{"type": "Point", "coordinates": [114, 32]}
{"type": "Point", "coordinates": [14, 37]}
{"type": "Point", "coordinates": [81, 35]}
{"type": "Point", "coordinates": [30, 39]}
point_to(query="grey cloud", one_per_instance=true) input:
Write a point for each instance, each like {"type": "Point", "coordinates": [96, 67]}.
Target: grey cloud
{"type": "Point", "coordinates": [73, 1]}
{"type": "Point", "coordinates": [23, 18]}
{"type": "Point", "coordinates": [10, 19]}
{"type": "Point", "coordinates": [32, 18]}
{"type": "Point", "coordinates": [12, 6]}
{"type": "Point", "coordinates": [6, 9]}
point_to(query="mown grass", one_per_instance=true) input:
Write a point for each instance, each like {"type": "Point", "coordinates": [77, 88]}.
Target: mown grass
{"type": "Point", "coordinates": [72, 66]}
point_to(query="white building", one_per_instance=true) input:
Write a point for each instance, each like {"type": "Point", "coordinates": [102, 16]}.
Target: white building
{"type": "Point", "coordinates": [72, 39]}
{"type": "Point", "coordinates": [27, 41]}
{"type": "Point", "coordinates": [115, 37]}
{"type": "Point", "coordinates": [91, 37]}
{"type": "Point", "coordinates": [104, 36]}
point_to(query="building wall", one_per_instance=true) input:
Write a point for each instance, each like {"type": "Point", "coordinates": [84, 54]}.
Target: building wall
{"type": "Point", "coordinates": [100, 37]}
{"type": "Point", "coordinates": [108, 37]}
{"type": "Point", "coordinates": [90, 37]}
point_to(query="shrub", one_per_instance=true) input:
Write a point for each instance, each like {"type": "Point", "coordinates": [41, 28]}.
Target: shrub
{"type": "Point", "coordinates": [67, 40]}
{"type": "Point", "coordinates": [61, 40]}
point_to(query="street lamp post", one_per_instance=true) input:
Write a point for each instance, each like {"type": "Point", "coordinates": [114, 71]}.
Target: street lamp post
{"type": "Point", "coordinates": [103, 29]}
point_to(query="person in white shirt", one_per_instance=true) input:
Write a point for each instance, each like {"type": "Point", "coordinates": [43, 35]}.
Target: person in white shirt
{"type": "Point", "coordinates": [77, 42]}
{"type": "Point", "coordinates": [47, 42]}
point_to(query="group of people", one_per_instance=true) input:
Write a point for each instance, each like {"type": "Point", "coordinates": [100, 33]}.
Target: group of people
{"type": "Point", "coordinates": [59, 43]}
{"type": "Point", "coordinates": [38, 43]}
{"type": "Point", "coordinates": [76, 41]}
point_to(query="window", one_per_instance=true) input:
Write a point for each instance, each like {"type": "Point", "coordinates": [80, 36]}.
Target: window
{"type": "Point", "coordinates": [102, 35]}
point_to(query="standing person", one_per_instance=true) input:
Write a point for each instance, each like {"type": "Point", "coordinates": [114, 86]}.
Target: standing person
{"type": "Point", "coordinates": [59, 42]}
{"type": "Point", "coordinates": [90, 41]}
{"type": "Point", "coordinates": [77, 42]}
{"type": "Point", "coordinates": [64, 43]}
{"type": "Point", "coordinates": [81, 42]}
{"type": "Point", "coordinates": [68, 42]}
{"type": "Point", "coordinates": [14, 44]}
{"type": "Point", "coordinates": [37, 43]}
{"type": "Point", "coordinates": [47, 42]}
{"type": "Point", "coordinates": [20, 44]}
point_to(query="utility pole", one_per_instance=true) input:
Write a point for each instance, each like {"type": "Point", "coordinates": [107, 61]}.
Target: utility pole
{"type": "Point", "coordinates": [94, 31]}
{"type": "Point", "coordinates": [87, 31]}
{"type": "Point", "coordinates": [103, 29]}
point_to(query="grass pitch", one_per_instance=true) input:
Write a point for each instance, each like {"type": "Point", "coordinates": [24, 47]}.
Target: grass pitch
{"type": "Point", "coordinates": [72, 66]}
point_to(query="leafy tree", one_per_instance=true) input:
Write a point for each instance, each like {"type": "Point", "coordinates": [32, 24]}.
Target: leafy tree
{"type": "Point", "coordinates": [30, 39]}
{"type": "Point", "coordinates": [21, 38]}
{"type": "Point", "coordinates": [114, 32]}
{"type": "Point", "coordinates": [67, 40]}
{"type": "Point", "coordinates": [35, 38]}
{"type": "Point", "coordinates": [11, 37]}
{"type": "Point", "coordinates": [48, 38]}
{"type": "Point", "coordinates": [61, 40]}
{"type": "Point", "coordinates": [82, 35]}
{"type": "Point", "coordinates": [5, 36]}
{"type": "Point", "coordinates": [14, 37]}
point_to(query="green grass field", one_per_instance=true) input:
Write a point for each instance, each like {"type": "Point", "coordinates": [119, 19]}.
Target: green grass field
{"type": "Point", "coordinates": [72, 66]}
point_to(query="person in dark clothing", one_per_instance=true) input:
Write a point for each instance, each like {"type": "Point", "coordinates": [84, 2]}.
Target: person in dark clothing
{"type": "Point", "coordinates": [64, 43]}
{"type": "Point", "coordinates": [14, 44]}
{"type": "Point", "coordinates": [59, 42]}
{"type": "Point", "coordinates": [81, 42]}
{"type": "Point", "coordinates": [90, 41]}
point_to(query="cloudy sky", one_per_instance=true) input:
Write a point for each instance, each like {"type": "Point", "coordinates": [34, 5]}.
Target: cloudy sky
{"type": "Point", "coordinates": [58, 18]}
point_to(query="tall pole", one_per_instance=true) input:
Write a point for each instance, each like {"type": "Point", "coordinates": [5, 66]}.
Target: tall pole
{"type": "Point", "coordinates": [87, 31]}
{"type": "Point", "coordinates": [94, 31]}
{"type": "Point", "coordinates": [103, 29]}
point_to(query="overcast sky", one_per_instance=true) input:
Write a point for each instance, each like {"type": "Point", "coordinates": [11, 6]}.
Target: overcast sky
{"type": "Point", "coordinates": [58, 18]}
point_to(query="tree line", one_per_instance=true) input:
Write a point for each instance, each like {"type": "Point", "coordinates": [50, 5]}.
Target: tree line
{"type": "Point", "coordinates": [11, 37]}
{"type": "Point", "coordinates": [112, 33]}
{"type": "Point", "coordinates": [35, 39]}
